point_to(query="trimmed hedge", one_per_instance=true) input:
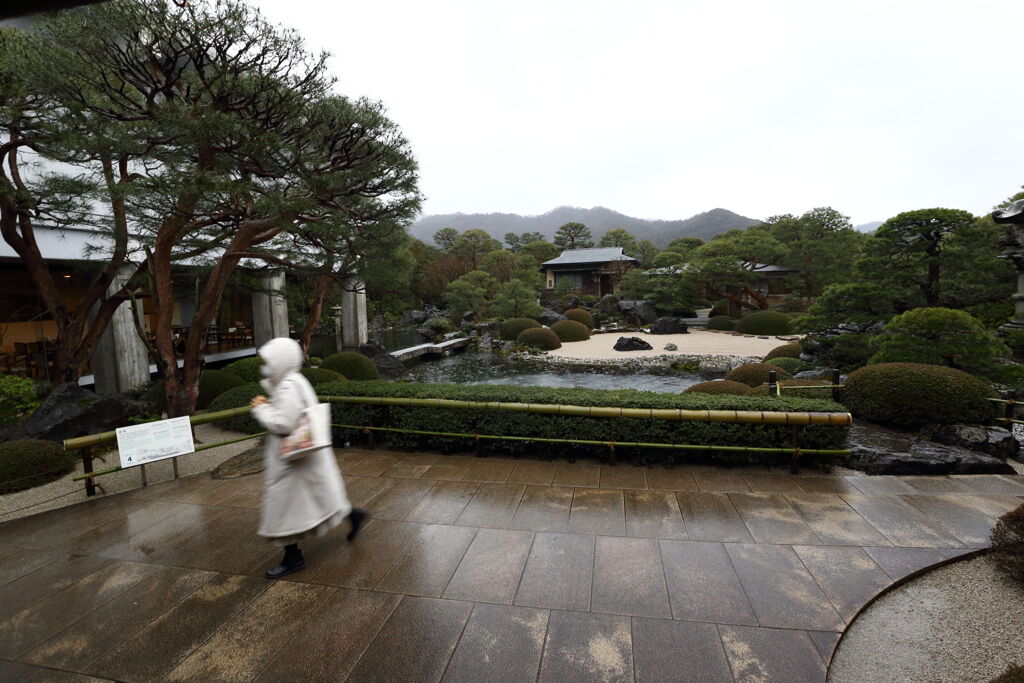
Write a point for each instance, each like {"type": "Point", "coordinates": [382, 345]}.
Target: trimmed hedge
{"type": "Point", "coordinates": [721, 386]}
{"type": "Point", "coordinates": [790, 350]}
{"type": "Point", "coordinates": [764, 322]}
{"type": "Point", "coordinates": [351, 365]}
{"type": "Point", "coordinates": [753, 374]}
{"type": "Point", "coordinates": [236, 398]}
{"type": "Point", "coordinates": [588, 299]}
{"type": "Point", "coordinates": [571, 331]}
{"type": "Point", "coordinates": [513, 327]}
{"type": "Point", "coordinates": [911, 395]}
{"type": "Point", "coordinates": [720, 322]}
{"type": "Point", "coordinates": [560, 426]}
{"type": "Point", "coordinates": [246, 368]}
{"type": "Point", "coordinates": [321, 375]}
{"type": "Point", "coordinates": [212, 384]}
{"type": "Point", "coordinates": [28, 463]}
{"type": "Point", "coordinates": [791, 365]}
{"type": "Point", "coordinates": [581, 316]}
{"type": "Point", "coordinates": [539, 338]}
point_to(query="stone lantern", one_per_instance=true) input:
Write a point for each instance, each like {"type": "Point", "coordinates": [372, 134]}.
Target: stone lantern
{"type": "Point", "coordinates": [1012, 242]}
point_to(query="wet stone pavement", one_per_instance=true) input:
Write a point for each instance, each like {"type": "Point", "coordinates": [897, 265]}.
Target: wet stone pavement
{"type": "Point", "coordinates": [477, 569]}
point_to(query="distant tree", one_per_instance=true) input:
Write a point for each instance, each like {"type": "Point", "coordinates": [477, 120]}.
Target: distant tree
{"type": "Point", "coordinates": [859, 303]}
{"type": "Point", "coordinates": [540, 251]}
{"type": "Point", "coordinates": [445, 239]}
{"type": "Point", "coordinates": [439, 273]}
{"type": "Point", "coordinates": [516, 299]}
{"type": "Point", "coordinates": [513, 241]}
{"type": "Point", "coordinates": [729, 261]}
{"type": "Point", "coordinates": [528, 237]}
{"type": "Point", "coordinates": [472, 245]}
{"type": "Point", "coordinates": [635, 285]}
{"type": "Point", "coordinates": [501, 264]}
{"type": "Point", "coordinates": [619, 237]}
{"type": "Point", "coordinates": [646, 251]}
{"type": "Point", "coordinates": [669, 258]}
{"type": "Point", "coordinates": [821, 245]}
{"type": "Point", "coordinates": [574, 236]}
{"type": "Point", "coordinates": [684, 245]}
{"type": "Point", "coordinates": [471, 292]}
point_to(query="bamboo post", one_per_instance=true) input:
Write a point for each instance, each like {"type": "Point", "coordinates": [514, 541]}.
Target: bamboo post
{"type": "Point", "coordinates": [835, 382]}
{"type": "Point", "coordinates": [90, 483]}
{"type": "Point", "coordinates": [773, 383]}
{"type": "Point", "coordinates": [794, 465]}
{"type": "Point", "coordinates": [1009, 411]}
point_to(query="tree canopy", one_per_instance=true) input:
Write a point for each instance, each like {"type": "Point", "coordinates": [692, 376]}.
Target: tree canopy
{"type": "Point", "coordinates": [574, 236]}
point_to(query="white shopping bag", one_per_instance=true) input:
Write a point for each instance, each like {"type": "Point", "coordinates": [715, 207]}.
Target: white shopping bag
{"type": "Point", "coordinates": [313, 432]}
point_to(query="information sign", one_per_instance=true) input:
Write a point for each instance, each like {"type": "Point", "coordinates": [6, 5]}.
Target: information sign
{"type": "Point", "coordinates": [140, 444]}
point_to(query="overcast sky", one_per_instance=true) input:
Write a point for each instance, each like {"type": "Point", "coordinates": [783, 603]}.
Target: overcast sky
{"type": "Point", "coordinates": [667, 109]}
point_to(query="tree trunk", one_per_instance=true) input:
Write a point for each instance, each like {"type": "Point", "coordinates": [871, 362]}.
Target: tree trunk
{"type": "Point", "coordinates": [323, 286]}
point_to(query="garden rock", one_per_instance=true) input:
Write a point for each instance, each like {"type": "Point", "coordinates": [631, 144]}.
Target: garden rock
{"type": "Point", "coordinates": [815, 373]}
{"type": "Point", "coordinates": [566, 303]}
{"type": "Point", "coordinates": [638, 312]}
{"type": "Point", "coordinates": [609, 304]}
{"type": "Point", "coordinates": [412, 319]}
{"type": "Point", "coordinates": [669, 325]}
{"type": "Point", "coordinates": [485, 343]}
{"type": "Point", "coordinates": [992, 440]}
{"type": "Point", "coordinates": [632, 344]}
{"type": "Point", "coordinates": [671, 347]}
{"type": "Point", "coordinates": [549, 317]}
{"type": "Point", "coordinates": [387, 365]}
{"type": "Point", "coordinates": [879, 450]}
{"type": "Point", "coordinates": [71, 411]}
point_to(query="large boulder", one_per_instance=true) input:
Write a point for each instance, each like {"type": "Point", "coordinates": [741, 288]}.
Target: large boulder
{"type": "Point", "coordinates": [71, 411]}
{"type": "Point", "coordinates": [565, 303]}
{"type": "Point", "coordinates": [413, 319]}
{"type": "Point", "coordinates": [549, 317]}
{"type": "Point", "coordinates": [632, 344]}
{"type": "Point", "coordinates": [992, 440]}
{"type": "Point", "coordinates": [669, 325]}
{"type": "Point", "coordinates": [638, 312]}
{"type": "Point", "coordinates": [879, 450]}
{"type": "Point", "coordinates": [609, 304]}
{"type": "Point", "coordinates": [387, 365]}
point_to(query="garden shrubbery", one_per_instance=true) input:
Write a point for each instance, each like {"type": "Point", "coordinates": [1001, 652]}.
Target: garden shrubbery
{"type": "Point", "coordinates": [17, 397]}
{"type": "Point", "coordinates": [246, 368]}
{"type": "Point", "coordinates": [824, 392]}
{"type": "Point", "coordinates": [571, 331]}
{"type": "Point", "coordinates": [318, 376]}
{"type": "Point", "coordinates": [720, 322]}
{"type": "Point", "coordinates": [721, 386]}
{"type": "Point", "coordinates": [581, 316]}
{"type": "Point", "coordinates": [911, 395]}
{"type": "Point", "coordinates": [753, 374]}
{"type": "Point", "coordinates": [539, 338]}
{"type": "Point", "coordinates": [513, 327]}
{"type": "Point", "coordinates": [212, 384]}
{"type": "Point", "coordinates": [844, 351]}
{"type": "Point", "coordinates": [351, 365]}
{"type": "Point", "coordinates": [435, 418]}
{"type": "Point", "coordinates": [1008, 543]}
{"type": "Point", "coordinates": [764, 322]}
{"type": "Point", "coordinates": [27, 463]}
{"type": "Point", "coordinates": [791, 365]}
{"type": "Point", "coordinates": [789, 350]}
{"type": "Point", "coordinates": [236, 398]}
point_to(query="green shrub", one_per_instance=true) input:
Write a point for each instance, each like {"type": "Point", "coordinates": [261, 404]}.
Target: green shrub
{"type": "Point", "coordinates": [720, 322]}
{"type": "Point", "coordinates": [539, 338]}
{"type": "Point", "coordinates": [1008, 543]}
{"type": "Point", "coordinates": [911, 395]}
{"type": "Point", "coordinates": [753, 374]}
{"type": "Point", "coordinates": [246, 368]}
{"type": "Point", "coordinates": [236, 398]}
{"type": "Point", "coordinates": [825, 392]}
{"type": "Point", "coordinates": [17, 397]}
{"type": "Point", "coordinates": [511, 328]}
{"type": "Point", "coordinates": [791, 365]}
{"type": "Point", "coordinates": [434, 419]}
{"type": "Point", "coordinates": [790, 350]}
{"type": "Point", "coordinates": [844, 351]}
{"type": "Point", "coordinates": [764, 322]}
{"type": "Point", "coordinates": [321, 375]}
{"type": "Point", "coordinates": [941, 336]}
{"type": "Point", "coordinates": [351, 365]}
{"type": "Point", "coordinates": [27, 463]}
{"type": "Point", "coordinates": [588, 299]}
{"type": "Point", "coordinates": [438, 325]}
{"type": "Point", "coordinates": [721, 386]}
{"type": "Point", "coordinates": [571, 331]}
{"type": "Point", "coordinates": [212, 384]}
{"type": "Point", "coordinates": [314, 361]}
{"type": "Point", "coordinates": [580, 316]}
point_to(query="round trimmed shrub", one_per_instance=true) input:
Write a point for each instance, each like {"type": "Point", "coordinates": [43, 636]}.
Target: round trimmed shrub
{"type": "Point", "coordinates": [580, 316]}
{"type": "Point", "coordinates": [720, 322]}
{"type": "Point", "coordinates": [352, 365]}
{"type": "Point", "coordinates": [571, 331]}
{"type": "Point", "coordinates": [791, 365]}
{"type": "Point", "coordinates": [825, 392]}
{"type": "Point", "coordinates": [321, 375]}
{"type": "Point", "coordinates": [212, 384]}
{"type": "Point", "coordinates": [539, 338]}
{"type": "Point", "coordinates": [720, 386]}
{"type": "Point", "coordinates": [513, 327]}
{"type": "Point", "coordinates": [764, 322]}
{"type": "Point", "coordinates": [236, 398]}
{"type": "Point", "coordinates": [246, 368]}
{"type": "Point", "coordinates": [910, 395]}
{"type": "Point", "coordinates": [753, 374]}
{"type": "Point", "coordinates": [1008, 543]}
{"type": "Point", "coordinates": [589, 299]}
{"type": "Point", "coordinates": [28, 463]}
{"type": "Point", "coordinates": [790, 350]}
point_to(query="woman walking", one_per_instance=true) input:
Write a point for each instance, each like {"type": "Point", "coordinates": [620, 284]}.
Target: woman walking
{"type": "Point", "coordinates": [305, 496]}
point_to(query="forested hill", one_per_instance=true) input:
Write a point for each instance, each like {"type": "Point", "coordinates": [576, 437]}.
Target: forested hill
{"type": "Point", "coordinates": [599, 220]}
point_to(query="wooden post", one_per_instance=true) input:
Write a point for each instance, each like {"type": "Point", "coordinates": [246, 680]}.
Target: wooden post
{"type": "Point", "coordinates": [1009, 412]}
{"type": "Point", "coordinates": [90, 483]}
{"type": "Point", "coordinates": [835, 382]}
{"type": "Point", "coordinates": [773, 383]}
{"type": "Point", "coordinates": [794, 465]}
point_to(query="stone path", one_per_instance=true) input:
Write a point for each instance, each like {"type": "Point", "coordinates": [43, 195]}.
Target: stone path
{"type": "Point", "coordinates": [480, 569]}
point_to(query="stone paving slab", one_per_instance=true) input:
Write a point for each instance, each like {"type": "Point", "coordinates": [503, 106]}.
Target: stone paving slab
{"type": "Point", "coordinates": [480, 569]}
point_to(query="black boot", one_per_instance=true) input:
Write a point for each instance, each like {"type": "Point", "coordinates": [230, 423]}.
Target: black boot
{"type": "Point", "coordinates": [356, 517]}
{"type": "Point", "coordinates": [292, 562]}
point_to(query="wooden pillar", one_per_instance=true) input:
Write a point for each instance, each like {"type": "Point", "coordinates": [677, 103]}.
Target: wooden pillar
{"type": "Point", "coordinates": [270, 309]}
{"type": "Point", "coordinates": [120, 360]}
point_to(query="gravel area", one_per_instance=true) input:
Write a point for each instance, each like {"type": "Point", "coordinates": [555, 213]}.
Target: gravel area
{"type": "Point", "coordinates": [698, 342]}
{"type": "Point", "coordinates": [64, 491]}
{"type": "Point", "coordinates": [961, 622]}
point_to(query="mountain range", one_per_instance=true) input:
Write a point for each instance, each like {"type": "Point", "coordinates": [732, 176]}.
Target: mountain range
{"type": "Point", "coordinates": [599, 219]}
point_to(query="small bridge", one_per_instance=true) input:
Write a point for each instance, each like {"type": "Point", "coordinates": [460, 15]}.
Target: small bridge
{"type": "Point", "coordinates": [424, 349]}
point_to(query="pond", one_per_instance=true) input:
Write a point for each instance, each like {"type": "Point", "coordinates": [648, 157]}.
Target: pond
{"type": "Point", "coordinates": [491, 368]}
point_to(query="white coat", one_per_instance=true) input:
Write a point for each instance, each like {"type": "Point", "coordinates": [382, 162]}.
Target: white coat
{"type": "Point", "coordinates": [305, 496]}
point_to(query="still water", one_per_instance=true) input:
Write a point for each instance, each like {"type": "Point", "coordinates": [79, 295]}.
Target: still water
{"type": "Point", "coordinates": [487, 368]}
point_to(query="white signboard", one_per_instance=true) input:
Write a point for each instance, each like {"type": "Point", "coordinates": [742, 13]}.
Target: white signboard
{"type": "Point", "coordinates": [153, 441]}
